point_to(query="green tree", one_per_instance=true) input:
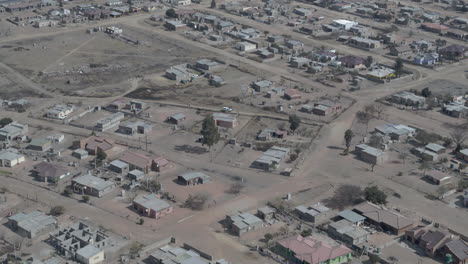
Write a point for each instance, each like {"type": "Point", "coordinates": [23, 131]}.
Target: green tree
{"type": "Point", "coordinates": [426, 92]}
{"type": "Point", "coordinates": [209, 132]}
{"type": "Point", "coordinates": [306, 232]}
{"type": "Point", "coordinates": [398, 67]}
{"type": "Point", "coordinates": [141, 221]}
{"type": "Point", "coordinates": [67, 192]}
{"type": "Point", "coordinates": [85, 198]}
{"type": "Point", "coordinates": [268, 237]}
{"type": "Point", "coordinates": [101, 155]}
{"type": "Point", "coordinates": [374, 195]}
{"type": "Point", "coordinates": [348, 136]}
{"type": "Point", "coordinates": [213, 4]}
{"type": "Point", "coordinates": [171, 13]}
{"type": "Point", "coordinates": [5, 121]}
{"type": "Point", "coordinates": [294, 122]}
{"type": "Point", "coordinates": [57, 210]}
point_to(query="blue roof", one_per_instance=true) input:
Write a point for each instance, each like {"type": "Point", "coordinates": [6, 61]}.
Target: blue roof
{"type": "Point", "coordinates": [351, 216]}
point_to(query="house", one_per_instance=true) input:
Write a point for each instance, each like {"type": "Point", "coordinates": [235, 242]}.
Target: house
{"type": "Point", "coordinates": [344, 24]}
{"type": "Point", "coordinates": [179, 73]}
{"type": "Point", "coordinates": [435, 148]}
{"type": "Point", "coordinates": [400, 51]}
{"type": "Point", "coordinates": [81, 242]}
{"type": "Point", "coordinates": [10, 158]}
{"type": "Point", "coordinates": [49, 172]}
{"type": "Point", "coordinates": [381, 73]}
{"type": "Point", "coordinates": [275, 39]}
{"type": "Point", "coordinates": [193, 178]}
{"type": "Point", "coordinates": [370, 155]}
{"type": "Point", "coordinates": [438, 177]}
{"type": "Point", "coordinates": [136, 175]}
{"type": "Point", "coordinates": [292, 94]}
{"type": "Point", "coordinates": [266, 213]}
{"type": "Point", "coordinates": [463, 154]}
{"type": "Point", "coordinates": [395, 131]}
{"type": "Point", "coordinates": [317, 213]}
{"type": "Point", "coordinates": [60, 111]}
{"type": "Point", "coordinates": [175, 25]}
{"type": "Point", "coordinates": [455, 109]}
{"type": "Point", "coordinates": [326, 107]}
{"type": "Point", "coordinates": [137, 127]}
{"type": "Point", "coordinates": [184, 255]}
{"type": "Point", "coordinates": [458, 250]}
{"type": "Point", "coordinates": [302, 11]}
{"type": "Point", "coordinates": [352, 62]}
{"type": "Point", "coordinates": [33, 224]}
{"type": "Point", "coordinates": [151, 206]}
{"type": "Point", "coordinates": [408, 99]}
{"type": "Point", "coordinates": [425, 154]}
{"type": "Point", "coordinates": [348, 232]}
{"type": "Point", "coordinates": [434, 27]}
{"type": "Point", "coordinates": [56, 138]}
{"type": "Point", "coordinates": [384, 218]}
{"type": "Point", "coordinates": [181, 2]}
{"type": "Point", "coordinates": [80, 154]}
{"type": "Point", "coordinates": [144, 163]}
{"type": "Point", "coordinates": [271, 158]}
{"type": "Point", "coordinates": [13, 131]}
{"type": "Point", "coordinates": [364, 43]}
{"type": "Point", "coordinates": [294, 44]}
{"type": "Point", "coordinates": [119, 166]}
{"type": "Point", "coordinates": [262, 86]}
{"type": "Point", "coordinates": [216, 80]}
{"type": "Point", "coordinates": [94, 144]}
{"type": "Point", "coordinates": [300, 62]}
{"type": "Point", "coordinates": [265, 134]}
{"type": "Point", "coordinates": [454, 52]}
{"type": "Point", "coordinates": [241, 223]}
{"type": "Point", "coordinates": [351, 217]}
{"type": "Point", "coordinates": [206, 64]}
{"type": "Point", "coordinates": [310, 250]}
{"type": "Point", "coordinates": [109, 122]}
{"type": "Point", "coordinates": [40, 144]}
{"type": "Point", "coordinates": [430, 240]}
{"type": "Point", "coordinates": [426, 59]}
{"type": "Point", "coordinates": [92, 185]}
{"type": "Point", "coordinates": [245, 46]}
{"type": "Point", "coordinates": [176, 119]}
{"type": "Point", "coordinates": [225, 120]}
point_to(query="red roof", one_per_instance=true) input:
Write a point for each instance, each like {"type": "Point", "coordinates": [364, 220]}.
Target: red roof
{"type": "Point", "coordinates": [312, 250]}
{"type": "Point", "coordinates": [434, 26]}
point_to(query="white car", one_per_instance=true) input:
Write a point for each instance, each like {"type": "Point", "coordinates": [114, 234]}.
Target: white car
{"type": "Point", "coordinates": [226, 109]}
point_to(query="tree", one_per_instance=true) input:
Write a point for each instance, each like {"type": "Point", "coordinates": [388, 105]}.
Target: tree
{"type": "Point", "coordinates": [398, 67]}
{"type": "Point", "coordinates": [154, 186]}
{"type": "Point", "coordinates": [348, 136]}
{"type": "Point", "coordinates": [306, 232]}
{"type": "Point", "coordinates": [197, 201]}
{"type": "Point", "coordinates": [459, 135]}
{"type": "Point", "coordinates": [376, 141]}
{"type": "Point", "coordinates": [379, 110]}
{"type": "Point", "coordinates": [213, 4]}
{"type": "Point", "coordinates": [171, 13]}
{"type": "Point", "coordinates": [5, 121]}
{"type": "Point", "coordinates": [368, 62]}
{"type": "Point", "coordinates": [67, 192]}
{"type": "Point", "coordinates": [426, 92]}
{"type": "Point", "coordinates": [209, 132]}
{"type": "Point", "coordinates": [425, 165]}
{"type": "Point", "coordinates": [57, 210]}
{"type": "Point", "coordinates": [344, 196]}
{"type": "Point", "coordinates": [374, 195]}
{"type": "Point", "coordinates": [135, 249]}
{"type": "Point", "coordinates": [364, 118]}
{"type": "Point", "coordinates": [294, 122]}
{"type": "Point", "coordinates": [141, 221]}
{"type": "Point", "coordinates": [426, 138]}
{"type": "Point", "coordinates": [268, 237]}
{"type": "Point", "coordinates": [85, 198]}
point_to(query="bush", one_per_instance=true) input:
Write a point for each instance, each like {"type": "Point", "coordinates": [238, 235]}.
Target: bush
{"type": "Point", "coordinates": [197, 201]}
{"type": "Point", "coordinates": [85, 198]}
{"type": "Point", "coordinates": [293, 157]}
{"type": "Point", "coordinates": [141, 222]}
{"type": "Point", "coordinates": [57, 210]}
{"type": "Point", "coordinates": [67, 192]}
{"type": "Point", "coordinates": [235, 188]}
{"type": "Point", "coordinates": [306, 233]}
{"type": "Point", "coordinates": [135, 249]}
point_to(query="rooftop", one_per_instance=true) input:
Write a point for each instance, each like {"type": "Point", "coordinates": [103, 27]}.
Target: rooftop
{"type": "Point", "coordinates": [151, 201]}
{"type": "Point", "coordinates": [93, 182]}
